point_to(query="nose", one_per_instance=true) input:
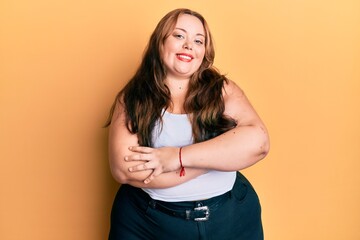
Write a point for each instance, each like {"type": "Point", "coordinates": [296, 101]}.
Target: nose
{"type": "Point", "coordinates": [187, 46]}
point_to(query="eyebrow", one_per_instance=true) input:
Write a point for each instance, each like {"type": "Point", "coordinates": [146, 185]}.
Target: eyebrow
{"type": "Point", "coordinates": [198, 34]}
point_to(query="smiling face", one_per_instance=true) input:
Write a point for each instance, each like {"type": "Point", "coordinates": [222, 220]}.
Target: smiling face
{"type": "Point", "coordinates": [184, 49]}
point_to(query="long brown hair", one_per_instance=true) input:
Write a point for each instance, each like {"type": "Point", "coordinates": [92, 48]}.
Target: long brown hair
{"type": "Point", "coordinates": [146, 95]}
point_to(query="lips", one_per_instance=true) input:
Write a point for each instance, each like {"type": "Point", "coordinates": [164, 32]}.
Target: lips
{"type": "Point", "coordinates": [184, 57]}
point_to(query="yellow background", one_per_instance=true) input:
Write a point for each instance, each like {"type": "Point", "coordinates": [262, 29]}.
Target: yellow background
{"type": "Point", "coordinates": [62, 62]}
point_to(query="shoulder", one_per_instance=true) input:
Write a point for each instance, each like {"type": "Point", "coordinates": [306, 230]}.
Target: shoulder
{"type": "Point", "coordinates": [237, 104]}
{"type": "Point", "coordinates": [231, 90]}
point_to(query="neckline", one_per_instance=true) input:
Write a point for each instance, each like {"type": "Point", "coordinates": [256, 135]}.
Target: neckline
{"type": "Point", "coordinates": [174, 114]}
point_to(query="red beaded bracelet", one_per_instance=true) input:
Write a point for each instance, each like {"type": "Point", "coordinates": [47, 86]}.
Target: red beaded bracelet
{"type": "Point", "coordinates": [182, 169]}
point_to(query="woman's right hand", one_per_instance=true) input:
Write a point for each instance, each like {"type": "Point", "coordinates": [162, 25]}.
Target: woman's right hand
{"type": "Point", "coordinates": [160, 160]}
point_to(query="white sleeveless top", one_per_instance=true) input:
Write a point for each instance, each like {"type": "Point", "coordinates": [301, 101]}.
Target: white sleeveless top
{"type": "Point", "coordinates": [176, 131]}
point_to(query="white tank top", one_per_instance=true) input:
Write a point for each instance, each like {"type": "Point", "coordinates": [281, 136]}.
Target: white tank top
{"type": "Point", "coordinates": [176, 131]}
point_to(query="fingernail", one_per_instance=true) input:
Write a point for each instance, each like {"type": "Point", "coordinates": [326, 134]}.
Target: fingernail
{"type": "Point", "coordinates": [126, 158]}
{"type": "Point", "coordinates": [130, 169]}
{"type": "Point", "coordinates": [146, 181]}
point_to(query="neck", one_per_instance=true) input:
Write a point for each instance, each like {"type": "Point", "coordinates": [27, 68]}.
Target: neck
{"type": "Point", "coordinates": [178, 90]}
{"type": "Point", "coordinates": [177, 86]}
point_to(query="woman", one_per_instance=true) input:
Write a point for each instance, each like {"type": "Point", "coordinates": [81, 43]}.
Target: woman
{"type": "Point", "coordinates": [179, 132]}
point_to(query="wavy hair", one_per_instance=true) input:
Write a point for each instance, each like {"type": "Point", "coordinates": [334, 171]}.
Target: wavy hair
{"type": "Point", "coordinates": [146, 95]}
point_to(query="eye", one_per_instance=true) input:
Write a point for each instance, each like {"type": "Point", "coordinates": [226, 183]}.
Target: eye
{"type": "Point", "coordinates": [179, 36]}
{"type": "Point", "coordinates": [198, 41]}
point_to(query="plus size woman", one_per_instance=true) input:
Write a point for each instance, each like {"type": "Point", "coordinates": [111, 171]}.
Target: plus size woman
{"type": "Point", "coordinates": [179, 132]}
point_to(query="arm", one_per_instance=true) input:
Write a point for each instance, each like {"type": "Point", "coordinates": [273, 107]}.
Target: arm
{"type": "Point", "coordinates": [238, 148]}
{"type": "Point", "coordinates": [120, 139]}
{"type": "Point", "coordinates": [234, 150]}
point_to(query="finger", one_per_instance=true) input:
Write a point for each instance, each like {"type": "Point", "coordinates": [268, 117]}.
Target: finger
{"type": "Point", "coordinates": [149, 179]}
{"type": "Point", "coordinates": [155, 173]}
{"type": "Point", "coordinates": [140, 149]}
{"type": "Point", "coordinates": [137, 157]}
{"type": "Point", "coordinates": [141, 167]}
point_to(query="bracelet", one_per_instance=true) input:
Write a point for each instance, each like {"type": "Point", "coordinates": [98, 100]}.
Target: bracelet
{"type": "Point", "coordinates": [182, 169]}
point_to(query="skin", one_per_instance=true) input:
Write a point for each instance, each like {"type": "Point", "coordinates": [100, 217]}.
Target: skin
{"type": "Point", "coordinates": [184, 50]}
{"type": "Point", "coordinates": [234, 150]}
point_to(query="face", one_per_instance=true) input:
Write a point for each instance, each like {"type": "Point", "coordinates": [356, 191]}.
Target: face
{"type": "Point", "coordinates": [183, 51]}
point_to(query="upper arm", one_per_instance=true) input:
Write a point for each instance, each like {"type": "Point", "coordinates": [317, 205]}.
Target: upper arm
{"type": "Point", "coordinates": [120, 139]}
{"type": "Point", "coordinates": [238, 107]}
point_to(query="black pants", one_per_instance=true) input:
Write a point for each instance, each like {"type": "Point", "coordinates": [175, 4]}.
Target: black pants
{"type": "Point", "coordinates": [235, 215]}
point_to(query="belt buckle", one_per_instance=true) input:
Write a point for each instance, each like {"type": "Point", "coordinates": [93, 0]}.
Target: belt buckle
{"type": "Point", "coordinates": [206, 212]}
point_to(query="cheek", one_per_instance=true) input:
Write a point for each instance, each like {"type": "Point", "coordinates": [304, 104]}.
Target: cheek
{"type": "Point", "coordinates": [167, 51]}
{"type": "Point", "coordinates": [200, 50]}
{"type": "Point", "coordinates": [201, 54]}
{"type": "Point", "coordinates": [170, 45]}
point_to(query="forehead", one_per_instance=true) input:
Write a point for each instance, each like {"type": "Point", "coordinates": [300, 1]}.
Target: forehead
{"type": "Point", "coordinates": [190, 24]}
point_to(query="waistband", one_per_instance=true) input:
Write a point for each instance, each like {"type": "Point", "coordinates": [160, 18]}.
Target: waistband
{"type": "Point", "coordinates": [195, 210]}
{"type": "Point", "coordinates": [189, 210]}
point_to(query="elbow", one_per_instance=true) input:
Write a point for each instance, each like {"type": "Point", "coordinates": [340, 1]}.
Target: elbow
{"type": "Point", "coordinates": [264, 147]}
{"type": "Point", "coordinates": [119, 175]}
{"type": "Point", "coordinates": [264, 152]}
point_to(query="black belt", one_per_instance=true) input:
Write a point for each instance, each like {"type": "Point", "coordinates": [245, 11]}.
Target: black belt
{"type": "Point", "coordinates": [199, 212]}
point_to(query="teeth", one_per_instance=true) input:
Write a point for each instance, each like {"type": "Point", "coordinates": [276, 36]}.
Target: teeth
{"type": "Point", "coordinates": [185, 57]}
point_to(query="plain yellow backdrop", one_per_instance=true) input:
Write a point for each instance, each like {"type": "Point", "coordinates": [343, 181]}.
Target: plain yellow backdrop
{"type": "Point", "coordinates": [62, 62]}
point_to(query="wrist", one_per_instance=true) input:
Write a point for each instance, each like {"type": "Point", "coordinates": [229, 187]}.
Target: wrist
{"type": "Point", "coordinates": [182, 168]}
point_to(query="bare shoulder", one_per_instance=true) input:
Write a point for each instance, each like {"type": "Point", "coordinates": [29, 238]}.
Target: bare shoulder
{"type": "Point", "coordinates": [232, 93]}
{"type": "Point", "coordinates": [237, 104]}
{"type": "Point", "coordinates": [231, 90]}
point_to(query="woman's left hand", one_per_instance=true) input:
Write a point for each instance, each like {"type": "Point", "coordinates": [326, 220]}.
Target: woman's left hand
{"type": "Point", "coordinates": [161, 160]}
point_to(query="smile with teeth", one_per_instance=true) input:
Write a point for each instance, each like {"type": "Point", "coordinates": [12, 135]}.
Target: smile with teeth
{"type": "Point", "coordinates": [184, 57]}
